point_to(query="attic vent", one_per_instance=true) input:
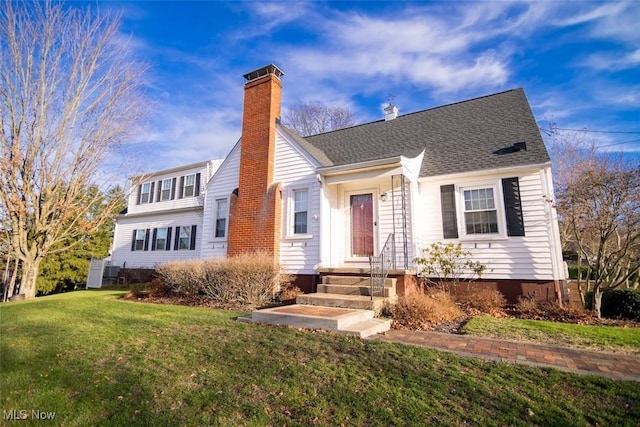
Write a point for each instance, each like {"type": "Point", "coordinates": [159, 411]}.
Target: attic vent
{"type": "Point", "coordinates": [520, 146]}
{"type": "Point", "coordinates": [390, 112]}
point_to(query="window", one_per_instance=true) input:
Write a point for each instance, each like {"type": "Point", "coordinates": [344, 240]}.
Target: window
{"type": "Point", "coordinates": [145, 192]}
{"type": "Point", "coordinates": [185, 238]}
{"type": "Point", "coordinates": [482, 210]}
{"type": "Point", "coordinates": [189, 186]}
{"type": "Point", "coordinates": [221, 217]}
{"type": "Point", "coordinates": [480, 215]}
{"type": "Point", "coordinates": [300, 209]}
{"type": "Point", "coordinates": [160, 239]}
{"type": "Point", "coordinates": [138, 243]}
{"type": "Point", "coordinates": [165, 193]}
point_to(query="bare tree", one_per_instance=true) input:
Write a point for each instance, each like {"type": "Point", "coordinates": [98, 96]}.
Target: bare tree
{"type": "Point", "coordinates": [599, 206]}
{"type": "Point", "coordinates": [70, 94]}
{"type": "Point", "coordinates": [314, 118]}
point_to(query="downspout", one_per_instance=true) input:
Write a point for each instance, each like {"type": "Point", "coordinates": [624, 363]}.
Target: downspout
{"type": "Point", "coordinates": [554, 233]}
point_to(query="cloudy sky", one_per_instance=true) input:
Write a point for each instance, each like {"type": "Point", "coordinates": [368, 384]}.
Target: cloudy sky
{"type": "Point", "coordinates": [578, 62]}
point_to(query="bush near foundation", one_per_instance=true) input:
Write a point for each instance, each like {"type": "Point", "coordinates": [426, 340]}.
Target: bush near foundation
{"type": "Point", "coordinates": [248, 279]}
{"type": "Point", "coordinates": [424, 311]}
{"type": "Point", "coordinates": [618, 303]}
{"type": "Point", "coordinates": [489, 301]}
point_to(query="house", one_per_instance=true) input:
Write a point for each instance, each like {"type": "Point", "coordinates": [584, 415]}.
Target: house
{"type": "Point", "coordinates": [163, 219]}
{"type": "Point", "coordinates": [474, 172]}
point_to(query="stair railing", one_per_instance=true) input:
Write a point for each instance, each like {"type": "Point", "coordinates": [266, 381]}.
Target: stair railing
{"type": "Point", "coordinates": [380, 266]}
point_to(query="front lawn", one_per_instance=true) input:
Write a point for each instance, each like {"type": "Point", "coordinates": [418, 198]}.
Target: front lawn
{"type": "Point", "coordinates": [593, 337]}
{"type": "Point", "coordinates": [95, 359]}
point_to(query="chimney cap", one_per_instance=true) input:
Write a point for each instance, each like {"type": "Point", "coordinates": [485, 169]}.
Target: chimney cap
{"type": "Point", "coordinates": [264, 71]}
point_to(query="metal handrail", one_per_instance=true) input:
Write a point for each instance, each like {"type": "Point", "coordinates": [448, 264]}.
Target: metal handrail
{"type": "Point", "coordinates": [380, 266]}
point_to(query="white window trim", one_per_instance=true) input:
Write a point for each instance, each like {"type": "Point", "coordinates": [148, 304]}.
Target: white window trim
{"type": "Point", "coordinates": [185, 185]}
{"type": "Point", "coordinates": [188, 227]}
{"type": "Point", "coordinates": [149, 195]}
{"type": "Point", "coordinates": [290, 225]}
{"type": "Point", "coordinates": [215, 220]}
{"type": "Point", "coordinates": [135, 245]}
{"type": "Point", "coordinates": [162, 189]}
{"type": "Point", "coordinates": [155, 243]}
{"type": "Point", "coordinates": [496, 185]}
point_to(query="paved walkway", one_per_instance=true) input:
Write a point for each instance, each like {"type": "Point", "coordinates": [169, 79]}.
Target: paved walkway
{"type": "Point", "coordinates": [618, 366]}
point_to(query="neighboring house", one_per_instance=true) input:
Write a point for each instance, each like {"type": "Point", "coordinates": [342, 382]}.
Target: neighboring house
{"type": "Point", "coordinates": [475, 172]}
{"type": "Point", "coordinates": [163, 219]}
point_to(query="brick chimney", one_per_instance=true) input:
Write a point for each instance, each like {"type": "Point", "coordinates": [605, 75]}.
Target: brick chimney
{"type": "Point", "coordinates": [255, 209]}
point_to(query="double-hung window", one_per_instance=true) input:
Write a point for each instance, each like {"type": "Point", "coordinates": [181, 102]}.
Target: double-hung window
{"type": "Point", "coordinates": [480, 213]}
{"type": "Point", "coordinates": [222, 207]}
{"type": "Point", "coordinates": [160, 242]}
{"type": "Point", "coordinates": [184, 239]}
{"type": "Point", "coordinates": [138, 244]}
{"type": "Point", "coordinates": [189, 185]}
{"type": "Point", "coordinates": [300, 211]}
{"type": "Point", "coordinates": [145, 192]}
{"type": "Point", "coordinates": [165, 193]}
{"type": "Point", "coordinates": [482, 210]}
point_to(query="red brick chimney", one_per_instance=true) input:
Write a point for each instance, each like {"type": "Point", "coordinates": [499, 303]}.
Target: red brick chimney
{"type": "Point", "coordinates": [254, 219]}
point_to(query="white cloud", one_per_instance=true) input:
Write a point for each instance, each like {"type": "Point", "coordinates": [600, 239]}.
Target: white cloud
{"type": "Point", "coordinates": [612, 61]}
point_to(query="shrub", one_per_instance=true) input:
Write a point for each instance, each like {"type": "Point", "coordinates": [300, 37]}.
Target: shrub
{"type": "Point", "coordinates": [447, 265]}
{"type": "Point", "coordinates": [289, 293]}
{"type": "Point", "coordinates": [485, 300]}
{"type": "Point", "coordinates": [181, 277]}
{"type": "Point", "coordinates": [158, 288]}
{"type": "Point", "coordinates": [623, 303]}
{"type": "Point", "coordinates": [423, 311]}
{"type": "Point", "coordinates": [247, 279]}
{"type": "Point", "coordinates": [527, 305]}
{"type": "Point", "coordinates": [254, 278]}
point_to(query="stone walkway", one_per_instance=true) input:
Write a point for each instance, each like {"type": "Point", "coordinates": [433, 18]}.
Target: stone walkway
{"type": "Point", "coordinates": [618, 366]}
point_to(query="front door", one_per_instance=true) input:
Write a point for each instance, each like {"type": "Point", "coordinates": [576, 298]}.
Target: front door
{"type": "Point", "coordinates": [361, 225]}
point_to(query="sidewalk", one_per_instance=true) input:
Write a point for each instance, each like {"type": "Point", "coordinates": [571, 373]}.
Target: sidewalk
{"type": "Point", "coordinates": [617, 366]}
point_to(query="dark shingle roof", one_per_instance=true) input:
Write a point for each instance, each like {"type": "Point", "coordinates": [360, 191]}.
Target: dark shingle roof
{"type": "Point", "coordinates": [466, 136]}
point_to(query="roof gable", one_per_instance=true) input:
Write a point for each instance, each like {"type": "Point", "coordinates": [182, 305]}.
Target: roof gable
{"type": "Point", "coordinates": [466, 136]}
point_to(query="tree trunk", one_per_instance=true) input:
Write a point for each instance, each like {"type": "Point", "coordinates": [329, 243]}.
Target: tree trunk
{"type": "Point", "coordinates": [597, 301]}
{"type": "Point", "coordinates": [29, 275]}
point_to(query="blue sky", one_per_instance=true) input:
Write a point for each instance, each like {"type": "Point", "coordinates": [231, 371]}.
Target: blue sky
{"type": "Point", "coordinates": [578, 62]}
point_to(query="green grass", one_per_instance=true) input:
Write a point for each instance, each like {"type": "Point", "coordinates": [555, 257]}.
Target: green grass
{"type": "Point", "coordinates": [610, 338]}
{"type": "Point", "coordinates": [95, 359]}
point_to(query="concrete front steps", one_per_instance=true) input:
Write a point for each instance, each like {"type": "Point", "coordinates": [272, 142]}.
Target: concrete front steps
{"type": "Point", "coordinates": [342, 320]}
{"type": "Point", "coordinates": [342, 304]}
{"type": "Point", "coordinates": [349, 292]}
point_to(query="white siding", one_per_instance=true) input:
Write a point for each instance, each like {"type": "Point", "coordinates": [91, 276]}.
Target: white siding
{"type": "Point", "coordinates": [204, 169]}
{"type": "Point", "coordinates": [528, 257]}
{"type": "Point", "coordinates": [122, 252]}
{"type": "Point", "coordinates": [220, 186]}
{"type": "Point", "coordinates": [293, 170]}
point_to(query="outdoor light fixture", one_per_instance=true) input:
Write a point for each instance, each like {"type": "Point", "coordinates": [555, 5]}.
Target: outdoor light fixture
{"type": "Point", "coordinates": [383, 197]}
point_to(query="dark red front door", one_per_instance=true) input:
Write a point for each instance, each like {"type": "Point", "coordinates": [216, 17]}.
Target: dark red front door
{"type": "Point", "coordinates": [362, 225]}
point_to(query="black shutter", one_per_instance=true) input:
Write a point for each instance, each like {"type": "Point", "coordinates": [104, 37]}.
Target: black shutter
{"type": "Point", "coordinates": [181, 188]}
{"type": "Point", "coordinates": [513, 206]}
{"type": "Point", "coordinates": [177, 239]}
{"type": "Point", "coordinates": [196, 191]}
{"type": "Point", "coordinates": [151, 192]}
{"type": "Point", "coordinates": [173, 189]}
{"type": "Point", "coordinates": [147, 233]}
{"type": "Point", "coordinates": [139, 194]}
{"type": "Point", "coordinates": [193, 238]}
{"type": "Point", "coordinates": [168, 242]}
{"type": "Point", "coordinates": [159, 192]}
{"type": "Point", "coordinates": [133, 241]}
{"type": "Point", "coordinates": [153, 239]}
{"type": "Point", "coordinates": [449, 218]}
